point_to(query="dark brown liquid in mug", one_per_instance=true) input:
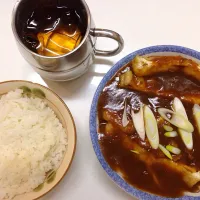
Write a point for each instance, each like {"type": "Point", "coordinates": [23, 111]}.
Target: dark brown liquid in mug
{"type": "Point", "coordinates": [53, 30]}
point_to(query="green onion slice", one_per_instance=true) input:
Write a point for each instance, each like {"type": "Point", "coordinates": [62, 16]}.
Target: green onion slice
{"type": "Point", "coordinates": [138, 121]}
{"type": "Point", "coordinates": [167, 128]}
{"type": "Point", "coordinates": [176, 119]}
{"type": "Point", "coordinates": [173, 150]}
{"type": "Point", "coordinates": [165, 151]}
{"type": "Point", "coordinates": [171, 134]}
{"type": "Point", "coordinates": [185, 135]}
{"type": "Point", "coordinates": [151, 127]}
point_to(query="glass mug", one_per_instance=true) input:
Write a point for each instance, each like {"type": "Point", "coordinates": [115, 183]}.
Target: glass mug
{"type": "Point", "coordinates": [74, 63]}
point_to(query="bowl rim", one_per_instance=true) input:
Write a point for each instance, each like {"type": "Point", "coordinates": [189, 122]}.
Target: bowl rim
{"type": "Point", "coordinates": [93, 117]}
{"type": "Point", "coordinates": [73, 124]}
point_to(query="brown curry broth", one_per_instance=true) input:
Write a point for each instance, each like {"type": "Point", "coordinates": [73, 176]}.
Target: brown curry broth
{"type": "Point", "coordinates": [122, 159]}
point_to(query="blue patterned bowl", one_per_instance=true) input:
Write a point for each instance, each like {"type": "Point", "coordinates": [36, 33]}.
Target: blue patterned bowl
{"type": "Point", "coordinates": [153, 50]}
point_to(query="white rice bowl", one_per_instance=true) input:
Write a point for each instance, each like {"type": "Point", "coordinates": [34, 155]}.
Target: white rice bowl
{"type": "Point", "coordinates": [32, 142]}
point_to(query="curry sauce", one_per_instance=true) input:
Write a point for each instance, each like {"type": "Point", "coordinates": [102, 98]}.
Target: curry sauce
{"type": "Point", "coordinates": [152, 174]}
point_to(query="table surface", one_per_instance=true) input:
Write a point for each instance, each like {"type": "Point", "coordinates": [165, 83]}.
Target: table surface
{"type": "Point", "coordinates": [141, 23]}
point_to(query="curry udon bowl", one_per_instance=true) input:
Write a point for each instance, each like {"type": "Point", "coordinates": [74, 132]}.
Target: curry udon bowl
{"type": "Point", "coordinates": [63, 114]}
{"type": "Point", "coordinates": [107, 157]}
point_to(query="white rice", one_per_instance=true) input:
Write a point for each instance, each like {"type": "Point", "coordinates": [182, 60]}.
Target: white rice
{"type": "Point", "coordinates": [32, 142]}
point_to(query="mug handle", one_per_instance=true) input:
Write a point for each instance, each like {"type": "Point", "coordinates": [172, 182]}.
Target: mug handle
{"type": "Point", "coordinates": [97, 32]}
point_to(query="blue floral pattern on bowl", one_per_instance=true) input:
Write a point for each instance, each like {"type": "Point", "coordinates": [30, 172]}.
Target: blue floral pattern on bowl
{"type": "Point", "coordinates": [93, 118]}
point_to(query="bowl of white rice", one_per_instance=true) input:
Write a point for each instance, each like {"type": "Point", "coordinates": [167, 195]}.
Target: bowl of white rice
{"type": "Point", "coordinates": [37, 140]}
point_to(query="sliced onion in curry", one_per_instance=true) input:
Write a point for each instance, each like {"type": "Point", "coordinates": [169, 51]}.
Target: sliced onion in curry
{"type": "Point", "coordinates": [124, 117]}
{"type": "Point", "coordinates": [196, 113]}
{"type": "Point", "coordinates": [133, 151]}
{"type": "Point", "coordinates": [151, 127]}
{"type": "Point", "coordinates": [167, 128]}
{"type": "Point", "coordinates": [165, 151]}
{"type": "Point", "coordinates": [185, 135]}
{"type": "Point", "coordinates": [171, 134]}
{"type": "Point", "coordinates": [173, 149]}
{"type": "Point", "coordinates": [138, 121]}
{"type": "Point", "coordinates": [176, 119]}
{"type": "Point", "coordinates": [179, 108]}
